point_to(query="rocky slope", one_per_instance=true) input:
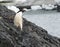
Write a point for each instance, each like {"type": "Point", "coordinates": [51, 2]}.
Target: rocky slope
{"type": "Point", "coordinates": [31, 36]}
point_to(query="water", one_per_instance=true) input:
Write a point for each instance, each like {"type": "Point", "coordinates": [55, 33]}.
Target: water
{"type": "Point", "coordinates": [49, 20]}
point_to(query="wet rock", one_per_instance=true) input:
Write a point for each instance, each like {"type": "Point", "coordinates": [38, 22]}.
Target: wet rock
{"type": "Point", "coordinates": [31, 36]}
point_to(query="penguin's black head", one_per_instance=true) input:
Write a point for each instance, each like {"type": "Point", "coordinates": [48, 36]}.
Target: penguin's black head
{"type": "Point", "coordinates": [22, 10]}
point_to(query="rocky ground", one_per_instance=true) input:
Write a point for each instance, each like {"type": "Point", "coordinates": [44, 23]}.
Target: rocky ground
{"type": "Point", "coordinates": [31, 36]}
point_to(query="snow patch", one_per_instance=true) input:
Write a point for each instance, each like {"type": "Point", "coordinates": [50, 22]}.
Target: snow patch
{"type": "Point", "coordinates": [13, 8]}
{"type": "Point", "coordinates": [35, 7]}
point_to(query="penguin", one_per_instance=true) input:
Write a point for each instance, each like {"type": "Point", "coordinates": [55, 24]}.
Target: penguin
{"type": "Point", "coordinates": [18, 20]}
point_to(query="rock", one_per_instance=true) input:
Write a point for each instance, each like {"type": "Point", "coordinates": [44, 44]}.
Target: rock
{"type": "Point", "coordinates": [31, 36]}
{"type": "Point", "coordinates": [6, 13]}
{"type": "Point", "coordinates": [58, 8]}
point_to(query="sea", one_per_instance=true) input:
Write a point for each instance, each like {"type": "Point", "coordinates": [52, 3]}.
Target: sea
{"type": "Point", "coordinates": [47, 19]}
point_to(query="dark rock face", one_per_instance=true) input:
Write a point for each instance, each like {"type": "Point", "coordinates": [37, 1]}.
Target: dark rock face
{"type": "Point", "coordinates": [6, 13]}
{"type": "Point", "coordinates": [58, 8]}
{"type": "Point", "coordinates": [31, 36]}
{"type": "Point", "coordinates": [22, 8]}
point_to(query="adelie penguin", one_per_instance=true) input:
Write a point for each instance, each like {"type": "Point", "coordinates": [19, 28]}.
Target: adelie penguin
{"type": "Point", "coordinates": [18, 20]}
